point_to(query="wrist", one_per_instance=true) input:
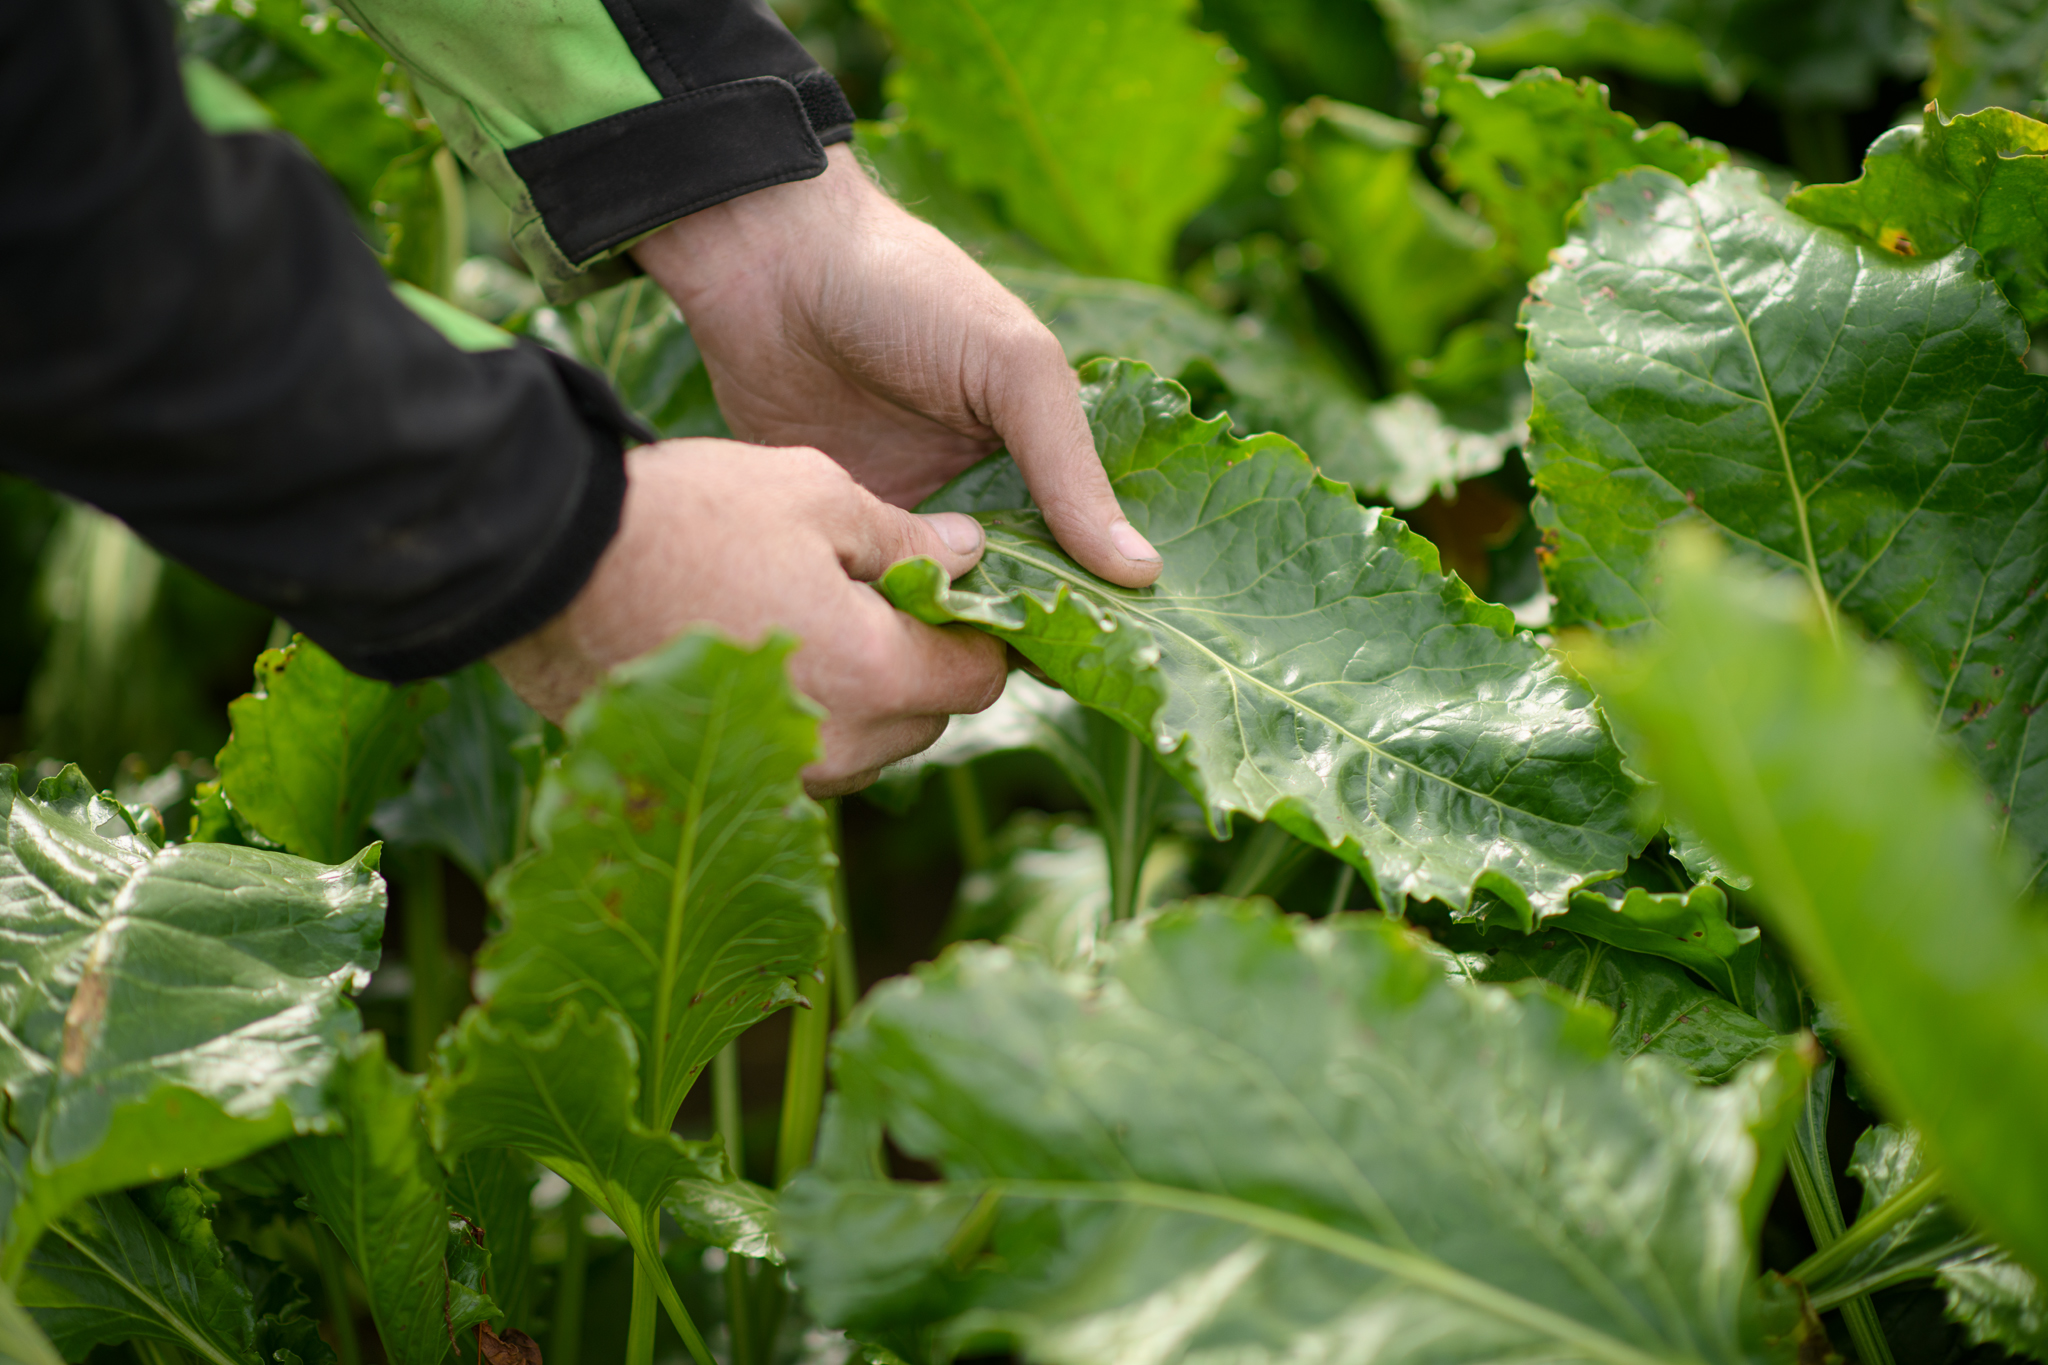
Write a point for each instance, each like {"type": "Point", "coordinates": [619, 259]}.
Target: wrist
{"type": "Point", "coordinates": [734, 242]}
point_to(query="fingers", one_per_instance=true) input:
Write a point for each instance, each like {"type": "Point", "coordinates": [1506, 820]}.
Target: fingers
{"type": "Point", "coordinates": [1034, 403]}
{"type": "Point", "coordinates": [870, 535]}
{"type": "Point", "coordinates": [888, 683]}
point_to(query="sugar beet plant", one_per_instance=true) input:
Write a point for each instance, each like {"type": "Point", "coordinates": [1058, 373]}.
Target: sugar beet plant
{"type": "Point", "coordinates": [1397, 985]}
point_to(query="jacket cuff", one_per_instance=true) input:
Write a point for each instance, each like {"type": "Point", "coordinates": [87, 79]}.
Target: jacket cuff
{"type": "Point", "coordinates": [560, 569]}
{"type": "Point", "coordinates": [604, 184]}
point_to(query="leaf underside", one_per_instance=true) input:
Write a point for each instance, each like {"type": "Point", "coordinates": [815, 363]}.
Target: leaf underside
{"type": "Point", "coordinates": [1302, 659]}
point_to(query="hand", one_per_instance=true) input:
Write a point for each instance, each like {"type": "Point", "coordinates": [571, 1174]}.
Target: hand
{"type": "Point", "coordinates": [749, 539]}
{"type": "Point", "coordinates": [829, 317]}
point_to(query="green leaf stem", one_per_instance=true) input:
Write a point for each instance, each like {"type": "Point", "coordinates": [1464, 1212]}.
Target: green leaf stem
{"type": "Point", "coordinates": [1265, 1137]}
{"type": "Point", "coordinates": [160, 1008]}
{"type": "Point", "coordinates": [1303, 660]}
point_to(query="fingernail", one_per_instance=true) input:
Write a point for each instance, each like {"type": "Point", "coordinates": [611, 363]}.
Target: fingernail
{"type": "Point", "coordinates": [1130, 544]}
{"type": "Point", "coordinates": [962, 533]}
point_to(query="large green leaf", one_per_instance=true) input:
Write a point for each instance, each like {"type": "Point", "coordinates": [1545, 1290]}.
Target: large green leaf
{"type": "Point", "coordinates": [1407, 259]}
{"type": "Point", "coordinates": [315, 748]}
{"type": "Point", "coordinates": [680, 876]}
{"type": "Point", "coordinates": [1979, 181]}
{"type": "Point", "coordinates": [1039, 101]}
{"type": "Point", "coordinates": [377, 1185]}
{"type": "Point", "coordinates": [1529, 147]}
{"type": "Point", "coordinates": [1812, 766]}
{"type": "Point", "coordinates": [1704, 355]}
{"type": "Point", "coordinates": [1263, 1139]}
{"type": "Point", "coordinates": [1986, 53]}
{"type": "Point", "coordinates": [160, 1008]}
{"type": "Point", "coordinates": [568, 1097]}
{"type": "Point", "coordinates": [1301, 659]}
{"type": "Point", "coordinates": [146, 1266]}
{"type": "Point", "coordinates": [469, 795]}
{"type": "Point", "coordinates": [1657, 1007]}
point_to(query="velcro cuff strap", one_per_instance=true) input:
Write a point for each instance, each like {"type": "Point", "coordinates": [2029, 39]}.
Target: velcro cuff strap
{"type": "Point", "coordinates": [608, 182]}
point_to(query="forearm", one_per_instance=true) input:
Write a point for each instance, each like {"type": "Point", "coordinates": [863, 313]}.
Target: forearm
{"type": "Point", "coordinates": [196, 341]}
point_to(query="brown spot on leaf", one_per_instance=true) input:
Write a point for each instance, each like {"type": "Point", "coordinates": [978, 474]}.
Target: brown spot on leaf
{"type": "Point", "coordinates": [642, 802]}
{"type": "Point", "coordinates": [1897, 242]}
{"type": "Point", "coordinates": [83, 1021]}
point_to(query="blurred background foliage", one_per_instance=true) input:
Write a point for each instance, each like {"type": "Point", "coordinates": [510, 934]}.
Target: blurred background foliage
{"type": "Point", "coordinates": [1277, 202]}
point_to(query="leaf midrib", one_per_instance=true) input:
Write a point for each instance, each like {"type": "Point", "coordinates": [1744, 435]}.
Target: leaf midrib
{"type": "Point", "coordinates": [1006, 547]}
{"type": "Point", "coordinates": [202, 1345]}
{"type": "Point", "coordinates": [1770, 407]}
{"type": "Point", "coordinates": [1416, 1269]}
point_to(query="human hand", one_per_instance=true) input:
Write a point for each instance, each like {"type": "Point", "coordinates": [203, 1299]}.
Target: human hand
{"type": "Point", "coordinates": [749, 539]}
{"type": "Point", "coordinates": [829, 317]}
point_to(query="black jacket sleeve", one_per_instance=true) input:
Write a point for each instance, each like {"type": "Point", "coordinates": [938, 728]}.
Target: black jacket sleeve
{"type": "Point", "coordinates": [194, 339]}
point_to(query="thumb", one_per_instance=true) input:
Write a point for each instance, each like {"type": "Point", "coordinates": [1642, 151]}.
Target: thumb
{"type": "Point", "coordinates": [1034, 404]}
{"type": "Point", "coordinates": [870, 535]}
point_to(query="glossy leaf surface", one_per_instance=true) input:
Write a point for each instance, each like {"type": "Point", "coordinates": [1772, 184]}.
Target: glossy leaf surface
{"type": "Point", "coordinates": [1839, 413]}
{"type": "Point", "coordinates": [680, 875]}
{"type": "Point", "coordinates": [1302, 660]}
{"type": "Point", "coordinates": [1812, 766]}
{"type": "Point", "coordinates": [162, 1008]}
{"type": "Point", "coordinates": [1020, 93]}
{"type": "Point", "coordinates": [468, 796]}
{"type": "Point", "coordinates": [1529, 147]}
{"type": "Point", "coordinates": [1266, 1138]}
{"type": "Point", "coordinates": [1979, 181]}
{"type": "Point", "coordinates": [377, 1185]}
{"type": "Point", "coordinates": [315, 748]}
